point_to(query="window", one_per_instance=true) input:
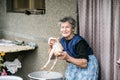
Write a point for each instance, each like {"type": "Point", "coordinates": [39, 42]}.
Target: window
{"type": "Point", "coordinates": [26, 6]}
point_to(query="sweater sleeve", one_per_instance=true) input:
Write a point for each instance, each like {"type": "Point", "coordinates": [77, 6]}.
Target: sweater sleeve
{"type": "Point", "coordinates": [81, 49]}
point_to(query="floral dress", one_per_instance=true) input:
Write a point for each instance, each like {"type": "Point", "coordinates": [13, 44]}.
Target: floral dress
{"type": "Point", "coordinates": [77, 47]}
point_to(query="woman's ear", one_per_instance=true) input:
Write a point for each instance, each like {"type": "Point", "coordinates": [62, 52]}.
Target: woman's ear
{"type": "Point", "coordinates": [73, 29]}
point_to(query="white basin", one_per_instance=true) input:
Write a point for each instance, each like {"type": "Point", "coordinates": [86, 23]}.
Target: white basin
{"type": "Point", "coordinates": [10, 78]}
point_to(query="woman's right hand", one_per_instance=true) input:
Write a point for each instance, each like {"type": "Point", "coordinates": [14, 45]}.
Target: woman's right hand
{"type": "Point", "coordinates": [51, 41]}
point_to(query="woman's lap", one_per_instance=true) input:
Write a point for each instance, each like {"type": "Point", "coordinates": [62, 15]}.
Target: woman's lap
{"type": "Point", "coordinates": [74, 72]}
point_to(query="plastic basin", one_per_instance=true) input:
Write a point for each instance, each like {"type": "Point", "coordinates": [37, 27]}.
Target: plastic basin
{"type": "Point", "coordinates": [45, 75]}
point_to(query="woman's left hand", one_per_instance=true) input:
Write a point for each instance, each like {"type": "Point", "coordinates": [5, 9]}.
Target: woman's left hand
{"type": "Point", "coordinates": [77, 61]}
{"type": "Point", "coordinates": [63, 56]}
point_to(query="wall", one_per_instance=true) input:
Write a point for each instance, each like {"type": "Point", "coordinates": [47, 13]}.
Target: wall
{"type": "Point", "coordinates": [36, 28]}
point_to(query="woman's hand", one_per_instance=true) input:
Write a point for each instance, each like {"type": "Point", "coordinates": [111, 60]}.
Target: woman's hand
{"type": "Point", "coordinates": [51, 42]}
{"type": "Point", "coordinates": [63, 56]}
{"type": "Point", "coordinates": [79, 62]}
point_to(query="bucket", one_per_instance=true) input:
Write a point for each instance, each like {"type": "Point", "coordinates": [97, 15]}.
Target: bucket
{"type": "Point", "coordinates": [45, 75]}
{"type": "Point", "coordinates": [10, 78]}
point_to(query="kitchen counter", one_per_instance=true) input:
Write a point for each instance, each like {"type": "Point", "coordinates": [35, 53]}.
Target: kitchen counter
{"type": "Point", "coordinates": [15, 48]}
{"type": "Point", "coordinates": [9, 46]}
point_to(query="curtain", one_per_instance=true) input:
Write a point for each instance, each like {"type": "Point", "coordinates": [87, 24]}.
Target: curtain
{"type": "Point", "coordinates": [99, 24]}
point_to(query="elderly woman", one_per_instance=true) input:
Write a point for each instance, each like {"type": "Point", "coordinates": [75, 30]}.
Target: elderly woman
{"type": "Point", "coordinates": [83, 64]}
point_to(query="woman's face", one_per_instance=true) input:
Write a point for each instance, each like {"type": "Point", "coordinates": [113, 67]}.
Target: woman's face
{"type": "Point", "coordinates": [66, 30]}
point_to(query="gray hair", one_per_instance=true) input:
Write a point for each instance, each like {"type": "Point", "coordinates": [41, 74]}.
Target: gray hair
{"type": "Point", "coordinates": [70, 20]}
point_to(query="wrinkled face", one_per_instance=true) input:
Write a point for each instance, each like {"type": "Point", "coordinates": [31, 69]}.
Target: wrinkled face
{"type": "Point", "coordinates": [66, 30]}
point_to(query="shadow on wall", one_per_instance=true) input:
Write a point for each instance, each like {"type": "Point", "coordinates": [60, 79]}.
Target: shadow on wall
{"type": "Point", "coordinates": [2, 35]}
{"type": "Point", "coordinates": [27, 63]}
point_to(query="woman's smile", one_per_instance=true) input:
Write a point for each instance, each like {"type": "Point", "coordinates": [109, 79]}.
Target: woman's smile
{"type": "Point", "coordinates": [66, 30]}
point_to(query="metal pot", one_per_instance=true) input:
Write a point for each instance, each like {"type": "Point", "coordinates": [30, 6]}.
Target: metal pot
{"type": "Point", "coordinates": [45, 75]}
